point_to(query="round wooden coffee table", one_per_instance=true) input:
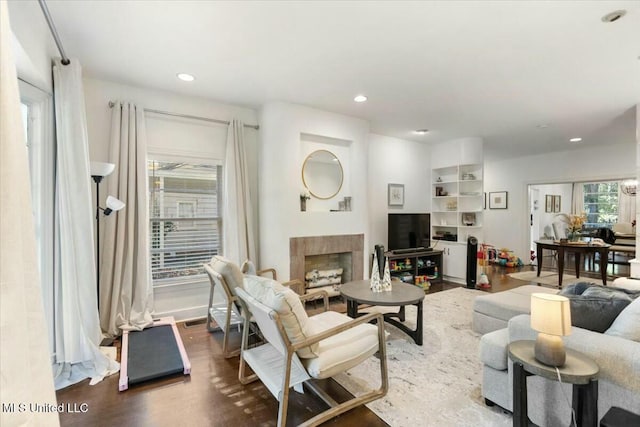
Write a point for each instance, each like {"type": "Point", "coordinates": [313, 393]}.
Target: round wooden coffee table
{"type": "Point", "coordinates": [401, 294]}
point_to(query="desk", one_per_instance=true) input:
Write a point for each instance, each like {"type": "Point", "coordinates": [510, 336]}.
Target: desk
{"type": "Point", "coordinates": [578, 370]}
{"type": "Point", "coordinates": [577, 249]}
{"type": "Point", "coordinates": [401, 294]}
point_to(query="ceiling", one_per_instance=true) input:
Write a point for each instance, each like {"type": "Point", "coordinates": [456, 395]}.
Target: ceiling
{"type": "Point", "coordinates": [496, 69]}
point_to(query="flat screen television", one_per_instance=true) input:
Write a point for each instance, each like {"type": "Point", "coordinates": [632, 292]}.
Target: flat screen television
{"type": "Point", "coordinates": [409, 231]}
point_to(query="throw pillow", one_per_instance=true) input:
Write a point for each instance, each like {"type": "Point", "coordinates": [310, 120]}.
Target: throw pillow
{"type": "Point", "coordinates": [287, 304]}
{"type": "Point", "coordinates": [627, 283]}
{"type": "Point", "coordinates": [595, 313]}
{"type": "Point", "coordinates": [576, 288]}
{"type": "Point", "coordinates": [248, 267]}
{"type": "Point", "coordinates": [627, 324]}
{"type": "Point", "coordinates": [227, 269]}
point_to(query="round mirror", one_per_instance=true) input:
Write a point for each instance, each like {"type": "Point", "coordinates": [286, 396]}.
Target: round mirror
{"type": "Point", "coordinates": [322, 174]}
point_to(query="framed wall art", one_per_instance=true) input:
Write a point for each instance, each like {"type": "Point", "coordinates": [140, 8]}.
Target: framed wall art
{"type": "Point", "coordinates": [395, 194]}
{"type": "Point", "coordinates": [548, 203]}
{"type": "Point", "coordinates": [498, 200]}
{"type": "Point", "coordinates": [556, 203]}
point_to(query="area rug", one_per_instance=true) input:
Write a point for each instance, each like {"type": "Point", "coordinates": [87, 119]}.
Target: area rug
{"type": "Point", "coordinates": [551, 278]}
{"type": "Point", "coordinates": [438, 383]}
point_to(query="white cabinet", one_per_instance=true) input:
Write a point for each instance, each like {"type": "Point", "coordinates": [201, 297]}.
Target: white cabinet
{"type": "Point", "coordinates": [454, 260]}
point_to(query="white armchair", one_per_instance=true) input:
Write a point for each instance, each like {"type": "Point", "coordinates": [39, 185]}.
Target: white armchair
{"type": "Point", "coordinates": [223, 306]}
{"type": "Point", "coordinates": [299, 348]}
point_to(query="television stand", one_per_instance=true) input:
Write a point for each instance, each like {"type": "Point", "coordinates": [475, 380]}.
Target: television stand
{"type": "Point", "coordinates": [422, 263]}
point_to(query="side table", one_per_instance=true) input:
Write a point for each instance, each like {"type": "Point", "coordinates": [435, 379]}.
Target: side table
{"type": "Point", "coordinates": [578, 370]}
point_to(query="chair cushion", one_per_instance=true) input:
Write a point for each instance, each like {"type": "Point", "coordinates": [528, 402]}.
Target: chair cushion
{"type": "Point", "coordinates": [228, 270]}
{"type": "Point", "coordinates": [286, 303]}
{"type": "Point", "coordinates": [341, 351]}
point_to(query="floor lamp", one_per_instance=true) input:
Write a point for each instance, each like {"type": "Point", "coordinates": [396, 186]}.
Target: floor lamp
{"type": "Point", "coordinates": [99, 170]}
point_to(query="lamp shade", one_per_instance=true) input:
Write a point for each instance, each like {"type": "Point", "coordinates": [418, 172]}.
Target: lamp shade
{"type": "Point", "coordinates": [550, 314]}
{"type": "Point", "coordinates": [101, 168]}
{"type": "Point", "coordinates": [114, 204]}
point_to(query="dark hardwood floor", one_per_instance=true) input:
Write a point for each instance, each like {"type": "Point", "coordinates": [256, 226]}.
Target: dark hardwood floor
{"type": "Point", "coordinates": [212, 394]}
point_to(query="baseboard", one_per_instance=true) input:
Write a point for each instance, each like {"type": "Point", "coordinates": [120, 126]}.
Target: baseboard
{"type": "Point", "coordinates": [185, 314]}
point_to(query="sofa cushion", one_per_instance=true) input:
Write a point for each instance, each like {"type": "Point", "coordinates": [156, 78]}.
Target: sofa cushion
{"type": "Point", "coordinates": [228, 270]}
{"type": "Point", "coordinates": [504, 305]}
{"type": "Point", "coordinates": [627, 324]}
{"type": "Point", "coordinates": [493, 349]}
{"type": "Point", "coordinates": [286, 303]}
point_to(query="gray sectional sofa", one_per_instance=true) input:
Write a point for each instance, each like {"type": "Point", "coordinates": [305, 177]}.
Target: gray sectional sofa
{"type": "Point", "coordinates": [617, 356]}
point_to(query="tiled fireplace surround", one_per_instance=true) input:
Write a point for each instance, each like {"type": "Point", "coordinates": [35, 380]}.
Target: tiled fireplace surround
{"type": "Point", "coordinates": [332, 246]}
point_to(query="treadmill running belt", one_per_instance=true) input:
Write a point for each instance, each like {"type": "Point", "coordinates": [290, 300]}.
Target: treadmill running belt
{"type": "Point", "coordinates": [153, 353]}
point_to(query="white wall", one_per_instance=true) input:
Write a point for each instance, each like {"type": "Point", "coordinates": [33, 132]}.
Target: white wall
{"type": "Point", "coordinates": [543, 218]}
{"type": "Point", "coordinates": [174, 136]}
{"type": "Point", "coordinates": [31, 30]}
{"type": "Point", "coordinates": [396, 161]}
{"type": "Point", "coordinates": [510, 228]}
{"type": "Point", "coordinates": [283, 147]}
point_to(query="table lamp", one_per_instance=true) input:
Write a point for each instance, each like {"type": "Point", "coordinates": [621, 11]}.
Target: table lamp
{"type": "Point", "coordinates": [551, 317]}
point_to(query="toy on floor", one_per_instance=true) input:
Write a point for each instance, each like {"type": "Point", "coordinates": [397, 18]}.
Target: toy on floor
{"type": "Point", "coordinates": [483, 257]}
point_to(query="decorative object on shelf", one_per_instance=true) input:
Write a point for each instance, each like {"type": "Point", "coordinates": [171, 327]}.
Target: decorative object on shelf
{"type": "Point", "coordinates": [452, 205]}
{"type": "Point", "coordinates": [551, 317]}
{"type": "Point", "coordinates": [439, 179]}
{"type": "Point", "coordinates": [468, 177]}
{"type": "Point", "coordinates": [469, 219]}
{"type": "Point", "coordinates": [395, 194]}
{"type": "Point", "coordinates": [498, 200]}
{"type": "Point", "coordinates": [341, 206]}
{"type": "Point", "coordinates": [304, 196]}
{"type": "Point", "coordinates": [347, 203]}
{"type": "Point", "coordinates": [548, 203]}
{"type": "Point", "coordinates": [556, 203]}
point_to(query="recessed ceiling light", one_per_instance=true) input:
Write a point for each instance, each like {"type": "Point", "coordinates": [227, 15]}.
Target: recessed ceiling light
{"type": "Point", "coordinates": [575, 140]}
{"type": "Point", "coordinates": [421, 131]}
{"type": "Point", "coordinates": [185, 77]}
{"type": "Point", "coordinates": [360, 98]}
{"type": "Point", "coordinates": [542, 126]}
{"type": "Point", "coordinates": [614, 16]}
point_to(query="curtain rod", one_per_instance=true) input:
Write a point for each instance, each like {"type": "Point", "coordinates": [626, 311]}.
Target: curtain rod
{"type": "Point", "coordinates": [54, 33]}
{"type": "Point", "coordinates": [188, 116]}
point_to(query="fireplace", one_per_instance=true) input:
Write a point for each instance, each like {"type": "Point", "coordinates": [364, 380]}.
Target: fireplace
{"type": "Point", "coordinates": [325, 253]}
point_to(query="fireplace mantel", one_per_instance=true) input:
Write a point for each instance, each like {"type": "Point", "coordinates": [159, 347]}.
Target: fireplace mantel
{"type": "Point", "coordinates": [300, 247]}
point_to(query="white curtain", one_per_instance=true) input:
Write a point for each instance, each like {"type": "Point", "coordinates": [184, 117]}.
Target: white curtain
{"type": "Point", "coordinates": [78, 334]}
{"type": "Point", "coordinates": [237, 218]}
{"type": "Point", "coordinates": [577, 202]}
{"type": "Point", "coordinates": [626, 206]}
{"type": "Point", "coordinates": [126, 292]}
{"type": "Point", "coordinates": [24, 356]}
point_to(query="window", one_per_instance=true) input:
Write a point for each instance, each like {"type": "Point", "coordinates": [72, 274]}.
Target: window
{"type": "Point", "coordinates": [185, 223]}
{"type": "Point", "coordinates": [601, 203]}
